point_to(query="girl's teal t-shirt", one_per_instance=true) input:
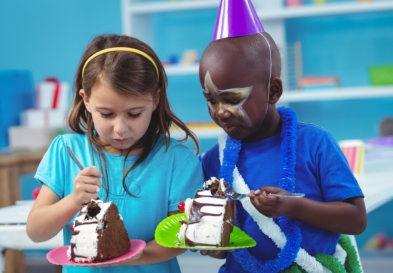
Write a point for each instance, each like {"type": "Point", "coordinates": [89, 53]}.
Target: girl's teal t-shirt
{"type": "Point", "coordinates": [165, 178]}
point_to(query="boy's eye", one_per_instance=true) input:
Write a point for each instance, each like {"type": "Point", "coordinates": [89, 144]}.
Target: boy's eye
{"type": "Point", "coordinates": [106, 115]}
{"type": "Point", "coordinates": [134, 115]}
{"type": "Point", "coordinates": [233, 102]}
{"type": "Point", "coordinates": [211, 101]}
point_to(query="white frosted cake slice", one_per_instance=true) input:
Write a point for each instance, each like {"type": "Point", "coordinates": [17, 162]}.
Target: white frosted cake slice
{"type": "Point", "coordinates": [211, 218]}
{"type": "Point", "coordinates": [98, 234]}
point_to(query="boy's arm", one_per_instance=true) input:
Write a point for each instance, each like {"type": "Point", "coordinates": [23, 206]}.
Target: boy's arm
{"type": "Point", "coordinates": [154, 253]}
{"type": "Point", "coordinates": [347, 217]}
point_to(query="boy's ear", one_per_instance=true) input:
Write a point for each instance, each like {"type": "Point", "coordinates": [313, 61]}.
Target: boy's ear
{"type": "Point", "coordinates": [85, 99]}
{"type": "Point", "coordinates": [275, 90]}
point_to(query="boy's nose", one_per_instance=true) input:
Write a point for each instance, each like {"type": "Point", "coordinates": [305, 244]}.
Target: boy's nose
{"type": "Point", "coordinates": [222, 112]}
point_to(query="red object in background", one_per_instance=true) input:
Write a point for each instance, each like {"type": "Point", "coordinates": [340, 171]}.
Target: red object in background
{"type": "Point", "coordinates": [378, 242]}
{"type": "Point", "coordinates": [36, 191]}
{"type": "Point", "coordinates": [382, 240]}
{"type": "Point", "coordinates": [181, 206]}
{"type": "Point", "coordinates": [72, 228]}
{"type": "Point", "coordinates": [57, 91]}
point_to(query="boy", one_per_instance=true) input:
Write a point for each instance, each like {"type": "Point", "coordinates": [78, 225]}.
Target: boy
{"type": "Point", "coordinates": [265, 150]}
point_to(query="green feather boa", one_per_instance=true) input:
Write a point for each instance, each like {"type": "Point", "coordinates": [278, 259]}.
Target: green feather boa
{"type": "Point", "coordinates": [351, 265]}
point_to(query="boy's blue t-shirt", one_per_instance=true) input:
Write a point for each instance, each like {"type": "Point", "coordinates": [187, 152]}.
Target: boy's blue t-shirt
{"type": "Point", "coordinates": [164, 179]}
{"type": "Point", "coordinates": [321, 172]}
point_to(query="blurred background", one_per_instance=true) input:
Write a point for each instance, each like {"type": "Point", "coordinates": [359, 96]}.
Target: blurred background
{"type": "Point", "coordinates": [337, 70]}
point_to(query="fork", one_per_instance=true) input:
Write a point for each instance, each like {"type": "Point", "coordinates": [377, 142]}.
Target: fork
{"type": "Point", "coordinates": [290, 195]}
{"type": "Point", "coordinates": [238, 196]}
{"type": "Point", "coordinates": [234, 195]}
{"type": "Point", "coordinates": [73, 157]}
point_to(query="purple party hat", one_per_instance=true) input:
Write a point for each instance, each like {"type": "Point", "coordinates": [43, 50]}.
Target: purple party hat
{"type": "Point", "coordinates": [236, 18]}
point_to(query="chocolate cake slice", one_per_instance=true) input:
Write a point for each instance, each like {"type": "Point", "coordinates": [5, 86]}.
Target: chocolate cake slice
{"type": "Point", "coordinates": [98, 234]}
{"type": "Point", "coordinates": [211, 217]}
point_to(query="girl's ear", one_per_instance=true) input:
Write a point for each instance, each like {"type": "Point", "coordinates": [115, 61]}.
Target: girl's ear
{"type": "Point", "coordinates": [85, 99]}
{"type": "Point", "coordinates": [275, 90]}
{"type": "Point", "coordinates": [156, 99]}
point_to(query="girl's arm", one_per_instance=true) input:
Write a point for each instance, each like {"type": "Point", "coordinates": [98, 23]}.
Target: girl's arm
{"type": "Point", "coordinates": [154, 253]}
{"type": "Point", "coordinates": [50, 214]}
{"type": "Point", "coordinates": [347, 217]}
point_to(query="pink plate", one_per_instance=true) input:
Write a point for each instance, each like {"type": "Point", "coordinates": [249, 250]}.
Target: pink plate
{"type": "Point", "coordinates": [58, 255]}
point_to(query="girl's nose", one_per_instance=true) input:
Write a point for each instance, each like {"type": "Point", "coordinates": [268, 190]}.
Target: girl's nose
{"type": "Point", "coordinates": [120, 127]}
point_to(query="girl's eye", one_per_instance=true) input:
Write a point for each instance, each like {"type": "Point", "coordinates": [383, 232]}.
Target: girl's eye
{"type": "Point", "coordinates": [134, 115]}
{"type": "Point", "coordinates": [106, 115]}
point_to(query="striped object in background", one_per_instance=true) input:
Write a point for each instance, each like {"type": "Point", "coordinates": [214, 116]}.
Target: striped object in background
{"type": "Point", "coordinates": [354, 152]}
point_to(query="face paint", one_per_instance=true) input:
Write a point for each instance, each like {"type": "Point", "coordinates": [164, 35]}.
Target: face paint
{"type": "Point", "coordinates": [227, 100]}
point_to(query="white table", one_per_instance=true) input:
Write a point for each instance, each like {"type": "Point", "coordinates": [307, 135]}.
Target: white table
{"type": "Point", "coordinates": [13, 231]}
{"type": "Point", "coordinates": [377, 187]}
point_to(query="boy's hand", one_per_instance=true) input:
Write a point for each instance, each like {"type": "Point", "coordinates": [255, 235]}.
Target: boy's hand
{"type": "Point", "coordinates": [270, 206]}
{"type": "Point", "coordinates": [86, 185]}
{"type": "Point", "coordinates": [218, 254]}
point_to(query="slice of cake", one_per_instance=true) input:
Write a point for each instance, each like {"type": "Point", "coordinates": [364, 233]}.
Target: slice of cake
{"type": "Point", "coordinates": [98, 234]}
{"type": "Point", "coordinates": [211, 216]}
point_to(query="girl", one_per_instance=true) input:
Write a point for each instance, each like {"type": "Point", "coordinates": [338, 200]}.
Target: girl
{"type": "Point", "coordinates": [121, 116]}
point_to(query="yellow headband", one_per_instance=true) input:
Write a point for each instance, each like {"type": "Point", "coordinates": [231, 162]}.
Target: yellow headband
{"type": "Point", "coordinates": [129, 49]}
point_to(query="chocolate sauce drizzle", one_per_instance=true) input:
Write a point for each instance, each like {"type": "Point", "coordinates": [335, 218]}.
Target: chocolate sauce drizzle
{"type": "Point", "coordinates": [92, 210]}
{"type": "Point", "coordinates": [196, 214]}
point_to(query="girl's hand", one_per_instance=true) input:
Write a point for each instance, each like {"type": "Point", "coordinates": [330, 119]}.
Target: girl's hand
{"type": "Point", "coordinates": [130, 260]}
{"type": "Point", "coordinates": [271, 206]}
{"type": "Point", "coordinates": [86, 185]}
{"type": "Point", "coordinates": [127, 262]}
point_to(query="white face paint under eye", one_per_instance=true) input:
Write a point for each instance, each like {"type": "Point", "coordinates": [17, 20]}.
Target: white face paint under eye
{"type": "Point", "coordinates": [221, 102]}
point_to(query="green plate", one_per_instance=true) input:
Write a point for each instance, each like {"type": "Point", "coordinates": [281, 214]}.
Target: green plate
{"type": "Point", "coordinates": [166, 231]}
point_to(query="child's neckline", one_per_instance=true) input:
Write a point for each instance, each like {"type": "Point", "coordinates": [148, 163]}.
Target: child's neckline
{"type": "Point", "coordinates": [116, 152]}
{"type": "Point", "coordinates": [264, 143]}
{"type": "Point", "coordinates": [120, 157]}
